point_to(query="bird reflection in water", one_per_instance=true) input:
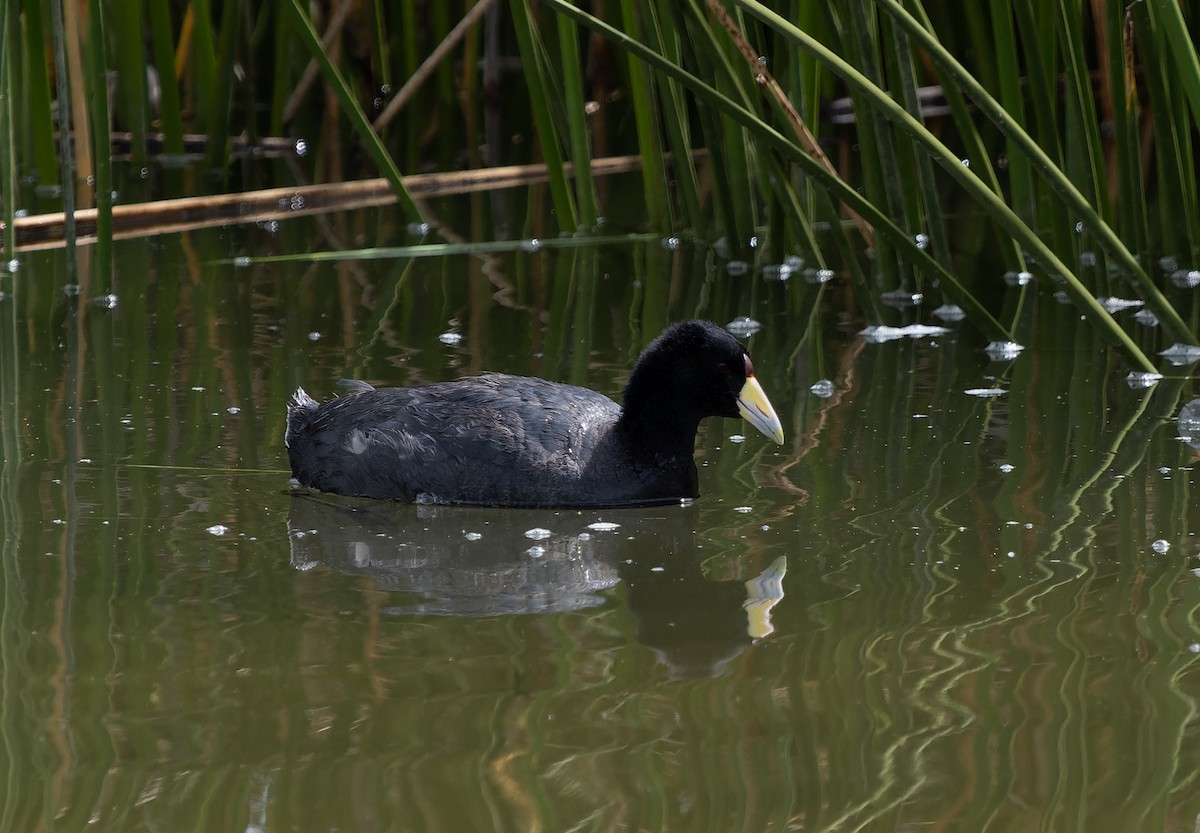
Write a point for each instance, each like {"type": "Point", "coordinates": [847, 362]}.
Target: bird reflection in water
{"type": "Point", "coordinates": [459, 561]}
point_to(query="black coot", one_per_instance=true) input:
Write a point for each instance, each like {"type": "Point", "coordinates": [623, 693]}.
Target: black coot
{"type": "Point", "coordinates": [501, 440]}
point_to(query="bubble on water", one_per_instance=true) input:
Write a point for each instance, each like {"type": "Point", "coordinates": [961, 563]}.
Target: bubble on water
{"type": "Point", "coordinates": [71, 290]}
{"type": "Point", "coordinates": [1146, 318]}
{"type": "Point", "coordinates": [1160, 546]}
{"type": "Point", "coordinates": [737, 438]}
{"type": "Point", "coordinates": [1079, 226]}
{"type": "Point", "coordinates": [535, 551]}
{"type": "Point", "coordinates": [1120, 304]}
{"type": "Point", "coordinates": [1141, 381]}
{"type": "Point", "coordinates": [217, 529]}
{"type": "Point", "coordinates": [418, 229]}
{"type": "Point", "coordinates": [1181, 354]}
{"type": "Point", "coordinates": [603, 526]}
{"type": "Point", "coordinates": [999, 351]}
{"type": "Point", "coordinates": [451, 339]}
{"type": "Point", "coordinates": [1018, 278]}
{"type": "Point", "coordinates": [985, 393]}
{"type": "Point", "coordinates": [314, 336]}
{"type": "Point", "coordinates": [721, 247]}
{"type": "Point", "coordinates": [1186, 278]}
{"type": "Point", "coordinates": [242, 261]}
{"type": "Point", "coordinates": [1006, 468]}
{"type": "Point", "coordinates": [823, 389]}
{"type": "Point", "coordinates": [949, 312]}
{"type": "Point", "coordinates": [13, 266]}
{"type": "Point", "coordinates": [301, 147]}
{"type": "Point", "coordinates": [922, 241]}
{"type": "Point", "coordinates": [743, 326]}
{"type": "Point", "coordinates": [793, 262]}
{"type": "Point", "coordinates": [297, 202]}
{"type": "Point", "coordinates": [472, 536]}
{"type": "Point", "coordinates": [743, 509]}
{"type": "Point", "coordinates": [1087, 259]}
{"type": "Point", "coordinates": [670, 243]}
{"type": "Point", "coordinates": [233, 410]}
{"type": "Point", "coordinates": [1188, 423]}
{"type": "Point", "coordinates": [108, 301]}
{"type": "Point", "coordinates": [776, 272]}
{"type": "Point", "coordinates": [818, 276]}
{"type": "Point", "coordinates": [1168, 263]}
{"type": "Point", "coordinates": [902, 298]}
{"type": "Point", "coordinates": [538, 534]}
{"type": "Point", "coordinates": [737, 268]}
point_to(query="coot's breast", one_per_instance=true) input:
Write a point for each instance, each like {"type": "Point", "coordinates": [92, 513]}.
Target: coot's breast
{"type": "Point", "coordinates": [493, 440]}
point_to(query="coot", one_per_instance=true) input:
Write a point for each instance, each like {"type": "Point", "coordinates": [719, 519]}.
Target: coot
{"type": "Point", "coordinates": [500, 440]}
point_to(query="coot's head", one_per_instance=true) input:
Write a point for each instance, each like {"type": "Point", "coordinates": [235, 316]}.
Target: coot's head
{"type": "Point", "coordinates": [696, 369]}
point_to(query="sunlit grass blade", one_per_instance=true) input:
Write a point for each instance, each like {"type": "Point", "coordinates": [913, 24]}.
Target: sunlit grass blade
{"type": "Point", "coordinates": [350, 107]}
{"type": "Point", "coordinates": [1075, 201]}
{"type": "Point", "coordinates": [768, 135]}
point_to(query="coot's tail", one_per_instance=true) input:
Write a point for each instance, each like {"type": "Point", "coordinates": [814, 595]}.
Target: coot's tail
{"type": "Point", "coordinates": [300, 409]}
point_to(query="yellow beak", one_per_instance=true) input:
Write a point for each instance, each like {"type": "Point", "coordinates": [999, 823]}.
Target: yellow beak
{"type": "Point", "coordinates": [756, 409]}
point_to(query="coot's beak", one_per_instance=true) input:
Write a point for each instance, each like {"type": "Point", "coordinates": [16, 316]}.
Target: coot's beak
{"type": "Point", "coordinates": [756, 409]}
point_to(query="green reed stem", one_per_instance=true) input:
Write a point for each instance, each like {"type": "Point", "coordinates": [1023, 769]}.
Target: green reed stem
{"type": "Point", "coordinates": [97, 91]}
{"type": "Point", "coordinates": [9, 32]}
{"type": "Point", "coordinates": [1053, 175]}
{"type": "Point", "coordinates": [540, 85]}
{"type": "Point", "coordinates": [770, 136]}
{"type": "Point", "coordinates": [351, 108]}
{"type": "Point", "coordinates": [577, 121]}
{"type": "Point", "coordinates": [170, 107]}
{"type": "Point", "coordinates": [131, 73]}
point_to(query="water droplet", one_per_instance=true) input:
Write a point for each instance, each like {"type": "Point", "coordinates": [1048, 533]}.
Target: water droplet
{"type": "Point", "coordinates": [1146, 318]}
{"type": "Point", "coordinates": [1006, 468]}
{"type": "Point", "coordinates": [301, 147]}
{"type": "Point", "coordinates": [1181, 354]}
{"type": "Point", "coordinates": [106, 301]}
{"type": "Point", "coordinates": [818, 276]}
{"type": "Point", "coordinates": [13, 266]}
{"type": "Point", "coordinates": [670, 243]}
{"type": "Point", "coordinates": [984, 393]}
{"type": "Point", "coordinates": [902, 298]}
{"type": "Point", "coordinates": [1186, 278]}
{"type": "Point", "coordinates": [745, 510]}
{"type": "Point", "coordinates": [1141, 381]}
{"type": "Point", "coordinates": [743, 326]}
{"type": "Point", "coordinates": [823, 389]}
{"type": "Point", "coordinates": [450, 339]}
{"type": "Point", "coordinates": [314, 336]}
{"type": "Point", "coordinates": [737, 438]}
{"type": "Point", "coordinates": [966, 163]}
{"type": "Point", "coordinates": [949, 312]}
{"type": "Point", "coordinates": [1168, 263]}
{"type": "Point", "coordinates": [472, 536]}
{"type": "Point", "coordinates": [531, 245]}
{"type": "Point", "coordinates": [922, 241]}
{"type": "Point", "coordinates": [217, 529]}
{"type": "Point", "coordinates": [535, 551]}
{"type": "Point", "coordinates": [1189, 423]}
{"type": "Point", "coordinates": [233, 409]}
{"type": "Point", "coordinates": [1087, 259]}
{"type": "Point", "coordinates": [776, 272]}
{"type": "Point", "coordinates": [1079, 227]}
{"type": "Point", "coordinates": [242, 261]}
{"type": "Point", "coordinates": [603, 526]}
{"type": "Point", "coordinates": [71, 290]}
{"type": "Point", "coordinates": [538, 533]}
{"type": "Point", "coordinates": [737, 268]}
{"type": "Point", "coordinates": [1120, 304]}
{"type": "Point", "coordinates": [999, 351]}
{"type": "Point", "coordinates": [1160, 546]}
{"type": "Point", "coordinates": [1018, 278]}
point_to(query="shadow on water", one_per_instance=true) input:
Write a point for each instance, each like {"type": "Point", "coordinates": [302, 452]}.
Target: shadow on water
{"type": "Point", "coordinates": [468, 561]}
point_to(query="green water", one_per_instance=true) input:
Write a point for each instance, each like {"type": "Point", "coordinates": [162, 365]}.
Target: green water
{"type": "Point", "coordinates": [185, 644]}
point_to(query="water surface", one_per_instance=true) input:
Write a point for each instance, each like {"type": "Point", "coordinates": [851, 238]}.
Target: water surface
{"type": "Point", "coordinates": [988, 619]}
